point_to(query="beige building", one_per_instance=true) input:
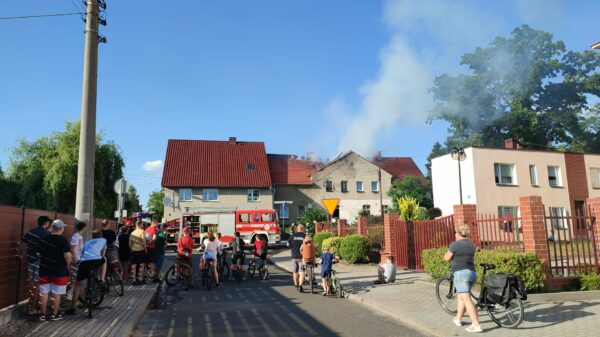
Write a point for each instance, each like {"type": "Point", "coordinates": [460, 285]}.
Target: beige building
{"type": "Point", "coordinates": [495, 178]}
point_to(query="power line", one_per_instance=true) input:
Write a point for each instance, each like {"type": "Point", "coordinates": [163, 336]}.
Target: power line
{"type": "Point", "coordinates": [79, 8]}
{"type": "Point", "coordinates": [38, 16]}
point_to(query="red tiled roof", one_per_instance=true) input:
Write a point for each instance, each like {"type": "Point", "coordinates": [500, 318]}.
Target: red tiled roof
{"type": "Point", "coordinates": [207, 163]}
{"type": "Point", "coordinates": [288, 170]}
{"type": "Point", "coordinates": [398, 167]}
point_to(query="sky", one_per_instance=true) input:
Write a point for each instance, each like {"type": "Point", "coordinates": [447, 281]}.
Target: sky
{"type": "Point", "coordinates": [301, 76]}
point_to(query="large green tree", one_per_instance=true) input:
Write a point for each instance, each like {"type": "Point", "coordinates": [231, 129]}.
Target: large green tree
{"type": "Point", "coordinates": [155, 204]}
{"type": "Point", "coordinates": [527, 86]}
{"type": "Point", "coordinates": [44, 172]}
{"type": "Point", "coordinates": [414, 187]}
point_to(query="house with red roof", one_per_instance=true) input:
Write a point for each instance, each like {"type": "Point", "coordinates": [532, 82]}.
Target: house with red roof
{"type": "Point", "coordinates": [216, 176]}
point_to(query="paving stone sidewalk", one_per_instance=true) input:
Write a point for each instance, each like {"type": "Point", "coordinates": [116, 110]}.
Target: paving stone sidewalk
{"type": "Point", "coordinates": [411, 300]}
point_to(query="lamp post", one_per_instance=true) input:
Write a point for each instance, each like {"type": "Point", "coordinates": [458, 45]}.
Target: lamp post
{"type": "Point", "coordinates": [458, 154]}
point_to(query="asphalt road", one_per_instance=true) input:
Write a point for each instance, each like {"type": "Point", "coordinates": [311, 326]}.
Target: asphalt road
{"type": "Point", "coordinates": [262, 308]}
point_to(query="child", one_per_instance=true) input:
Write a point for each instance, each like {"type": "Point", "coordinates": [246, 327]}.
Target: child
{"type": "Point", "coordinates": [327, 260]}
{"type": "Point", "coordinates": [386, 272]}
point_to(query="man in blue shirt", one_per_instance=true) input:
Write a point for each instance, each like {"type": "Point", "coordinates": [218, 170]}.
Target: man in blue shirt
{"type": "Point", "coordinates": [92, 258]}
{"type": "Point", "coordinates": [327, 261]}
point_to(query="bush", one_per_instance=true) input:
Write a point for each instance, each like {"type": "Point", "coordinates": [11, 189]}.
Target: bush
{"type": "Point", "coordinates": [526, 265]}
{"type": "Point", "coordinates": [318, 240]}
{"type": "Point", "coordinates": [590, 281]}
{"type": "Point", "coordinates": [334, 244]}
{"type": "Point", "coordinates": [354, 248]}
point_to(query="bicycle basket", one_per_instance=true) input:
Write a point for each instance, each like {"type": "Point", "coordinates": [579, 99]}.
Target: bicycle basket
{"type": "Point", "coordinates": [498, 290]}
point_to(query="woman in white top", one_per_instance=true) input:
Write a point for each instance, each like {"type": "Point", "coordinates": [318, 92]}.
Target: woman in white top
{"type": "Point", "coordinates": [77, 242]}
{"type": "Point", "coordinates": [211, 250]}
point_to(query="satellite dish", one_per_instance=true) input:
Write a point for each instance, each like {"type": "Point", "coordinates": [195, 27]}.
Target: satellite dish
{"type": "Point", "coordinates": [309, 205]}
{"type": "Point", "coordinates": [167, 202]}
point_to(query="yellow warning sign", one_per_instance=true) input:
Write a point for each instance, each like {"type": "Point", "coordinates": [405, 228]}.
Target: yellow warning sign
{"type": "Point", "coordinates": [330, 205]}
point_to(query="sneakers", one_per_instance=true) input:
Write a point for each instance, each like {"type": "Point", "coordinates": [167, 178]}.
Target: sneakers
{"type": "Point", "coordinates": [474, 328]}
{"type": "Point", "coordinates": [456, 322]}
{"type": "Point", "coordinates": [300, 289]}
{"type": "Point", "coordinates": [42, 318]}
{"type": "Point", "coordinates": [56, 317]}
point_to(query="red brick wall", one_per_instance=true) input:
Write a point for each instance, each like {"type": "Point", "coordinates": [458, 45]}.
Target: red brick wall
{"type": "Point", "coordinates": [594, 207]}
{"type": "Point", "coordinates": [534, 229]}
{"type": "Point", "coordinates": [362, 225]}
{"type": "Point", "coordinates": [467, 215]}
{"type": "Point", "coordinates": [576, 178]}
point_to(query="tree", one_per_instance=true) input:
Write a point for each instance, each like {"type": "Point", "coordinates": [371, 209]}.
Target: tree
{"type": "Point", "coordinates": [310, 215]}
{"type": "Point", "coordinates": [436, 151]}
{"type": "Point", "coordinates": [155, 204]}
{"type": "Point", "coordinates": [413, 187]}
{"type": "Point", "coordinates": [132, 200]}
{"type": "Point", "coordinates": [526, 86]}
{"type": "Point", "coordinates": [44, 172]}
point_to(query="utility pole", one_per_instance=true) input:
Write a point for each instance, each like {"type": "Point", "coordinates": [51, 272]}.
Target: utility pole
{"type": "Point", "coordinates": [381, 196]}
{"type": "Point", "coordinates": [84, 201]}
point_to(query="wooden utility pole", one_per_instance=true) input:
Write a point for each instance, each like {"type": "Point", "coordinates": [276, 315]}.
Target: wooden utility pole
{"type": "Point", "coordinates": [84, 202]}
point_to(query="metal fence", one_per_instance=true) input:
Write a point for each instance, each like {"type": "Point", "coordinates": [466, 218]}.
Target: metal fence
{"type": "Point", "coordinates": [500, 232]}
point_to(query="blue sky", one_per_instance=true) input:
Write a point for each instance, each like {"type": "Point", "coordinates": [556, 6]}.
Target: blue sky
{"type": "Point", "coordinates": [318, 76]}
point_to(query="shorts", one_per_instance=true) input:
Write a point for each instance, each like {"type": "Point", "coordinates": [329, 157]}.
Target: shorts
{"type": "Point", "coordinates": [138, 257]}
{"type": "Point", "coordinates": [86, 267]}
{"type": "Point", "coordinates": [210, 255]}
{"type": "Point", "coordinates": [53, 284]}
{"type": "Point", "coordinates": [325, 273]}
{"type": "Point", "coordinates": [262, 257]}
{"type": "Point", "coordinates": [464, 280]}
{"type": "Point", "coordinates": [150, 255]}
{"type": "Point", "coordinates": [296, 265]}
{"type": "Point", "coordinates": [34, 270]}
{"type": "Point", "coordinates": [238, 256]}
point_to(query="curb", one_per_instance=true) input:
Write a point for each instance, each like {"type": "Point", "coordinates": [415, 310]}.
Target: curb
{"type": "Point", "coordinates": [382, 311]}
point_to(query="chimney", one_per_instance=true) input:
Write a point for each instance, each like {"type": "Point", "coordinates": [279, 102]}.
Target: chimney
{"type": "Point", "coordinates": [377, 156]}
{"type": "Point", "coordinates": [232, 140]}
{"type": "Point", "coordinates": [512, 144]}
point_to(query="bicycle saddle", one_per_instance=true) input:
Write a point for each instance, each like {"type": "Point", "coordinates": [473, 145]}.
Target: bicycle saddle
{"type": "Point", "coordinates": [488, 266]}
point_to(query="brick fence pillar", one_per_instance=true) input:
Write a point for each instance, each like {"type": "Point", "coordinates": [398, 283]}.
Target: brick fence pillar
{"type": "Point", "coordinates": [467, 215]}
{"type": "Point", "coordinates": [341, 227]}
{"type": "Point", "coordinates": [362, 225]}
{"type": "Point", "coordinates": [390, 244]}
{"type": "Point", "coordinates": [593, 205]}
{"type": "Point", "coordinates": [533, 223]}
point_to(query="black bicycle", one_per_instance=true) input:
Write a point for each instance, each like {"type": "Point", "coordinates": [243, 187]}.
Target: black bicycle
{"type": "Point", "coordinates": [253, 265]}
{"type": "Point", "coordinates": [94, 292]}
{"type": "Point", "coordinates": [239, 272]}
{"type": "Point", "coordinates": [113, 278]}
{"type": "Point", "coordinates": [501, 295]}
{"type": "Point", "coordinates": [223, 266]}
{"type": "Point", "coordinates": [208, 276]}
{"type": "Point", "coordinates": [180, 271]}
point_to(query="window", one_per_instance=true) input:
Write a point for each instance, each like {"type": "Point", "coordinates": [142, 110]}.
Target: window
{"type": "Point", "coordinates": [504, 174]}
{"type": "Point", "coordinates": [210, 194]}
{"type": "Point", "coordinates": [267, 217]}
{"type": "Point", "coordinates": [366, 209]}
{"type": "Point", "coordinates": [554, 177]}
{"type": "Point", "coordinates": [508, 211]}
{"type": "Point", "coordinates": [284, 211]}
{"type": "Point", "coordinates": [359, 186]}
{"type": "Point", "coordinates": [385, 209]}
{"type": "Point", "coordinates": [329, 186]}
{"type": "Point", "coordinates": [244, 217]}
{"type": "Point", "coordinates": [375, 186]}
{"type": "Point", "coordinates": [344, 186]}
{"type": "Point", "coordinates": [533, 175]}
{"type": "Point", "coordinates": [301, 210]}
{"type": "Point", "coordinates": [256, 217]}
{"type": "Point", "coordinates": [185, 194]}
{"type": "Point", "coordinates": [558, 217]}
{"type": "Point", "coordinates": [595, 177]}
{"type": "Point", "coordinates": [249, 167]}
{"type": "Point", "coordinates": [253, 195]}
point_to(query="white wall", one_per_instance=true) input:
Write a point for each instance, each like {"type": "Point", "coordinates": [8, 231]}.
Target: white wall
{"type": "Point", "coordinates": [444, 176]}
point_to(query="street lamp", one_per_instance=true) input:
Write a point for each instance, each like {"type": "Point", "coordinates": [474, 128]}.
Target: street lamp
{"type": "Point", "coordinates": [458, 154]}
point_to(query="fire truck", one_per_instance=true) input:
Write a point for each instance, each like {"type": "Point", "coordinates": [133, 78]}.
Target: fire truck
{"type": "Point", "coordinates": [248, 222]}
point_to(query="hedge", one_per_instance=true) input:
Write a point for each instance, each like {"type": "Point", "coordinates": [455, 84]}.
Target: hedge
{"type": "Point", "coordinates": [589, 281]}
{"type": "Point", "coordinates": [334, 244]}
{"type": "Point", "coordinates": [354, 248]}
{"type": "Point", "coordinates": [526, 265]}
{"type": "Point", "coordinates": [318, 240]}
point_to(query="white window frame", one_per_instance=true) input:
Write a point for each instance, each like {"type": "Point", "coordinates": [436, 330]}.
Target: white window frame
{"type": "Point", "coordinates": [253, 197]}
{"type": "Point", "coordinates": [329, 186]}
{"type": "Point", "coordinates": [206, 193]}
{"type": "Point", "coordinates": [361, 188]}
{"type": "Point", "coordinates": [557, 175]}
{"type": "Point", "coordinates": [595, 177]}
{"type": "Point", "coordinates": [533, 175]}
{"type": "Point", "coordinates": [498, 174]}
{"type": "Point", "coordinates": [366, 207]}
{"type": "Point", "coordinates": [344, 186]}
{"type": "Point", "coordinates": [560, 213]}
{"type": "Point", "coordinates": [184, 192]}
{"type": "Point", "coordinates": [376, 185]}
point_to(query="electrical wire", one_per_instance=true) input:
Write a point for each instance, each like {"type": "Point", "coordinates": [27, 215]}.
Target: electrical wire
{"type": "Point", "coordinates": [79, 8]}
{"type": "Point", "coordinates": [37, 16]}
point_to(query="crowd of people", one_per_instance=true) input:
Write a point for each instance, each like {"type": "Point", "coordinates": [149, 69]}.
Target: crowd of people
{"type": "Point", "coordinates": [55, 262]}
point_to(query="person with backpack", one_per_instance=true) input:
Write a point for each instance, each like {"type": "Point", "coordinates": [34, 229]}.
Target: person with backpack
{"type": "Point", "coordinates": [462, 254]}
{"type": "Point", "coordinates": [237, 252]}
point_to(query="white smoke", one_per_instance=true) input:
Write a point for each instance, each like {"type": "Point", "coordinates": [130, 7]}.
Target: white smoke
{"type": "Point", "coordinates": [400, 92]}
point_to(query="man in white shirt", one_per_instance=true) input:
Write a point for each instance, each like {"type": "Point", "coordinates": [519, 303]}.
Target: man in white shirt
{"type": "Point", "coordinates": [386, 272]}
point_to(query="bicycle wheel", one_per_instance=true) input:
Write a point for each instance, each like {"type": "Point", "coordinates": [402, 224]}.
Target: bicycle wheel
{"type": "Point", "coordinates": [263, 272]}
{"type": "Point", "coordinates": [93, 292]}
{"type": "Point", "coordinates": [509, 315]}
{"type": "Point", "coordinates": [225, 271]}
{"type": "Point", "coordinates": [186, 277]}
{"type": "Point", "coordinates": [251, 270]}
{"type": "Point", "coordinates": [171, 277]}
{"type": "Point", "coordinates": [339, 291]}
{"type": "Point", "coordinates": [309, 275]}
{"type": "Point", "coordinates": [210, 277]}
{"type": "Point", "coordinates": [89, 295]}
{"type": "Point", "coordinates": [117, 283]}
{"type": "Point", "coordinates": [446, 294]}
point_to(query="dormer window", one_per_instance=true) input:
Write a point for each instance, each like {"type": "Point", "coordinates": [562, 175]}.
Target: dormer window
{"type": "Point", "coordinates": [249, 167]}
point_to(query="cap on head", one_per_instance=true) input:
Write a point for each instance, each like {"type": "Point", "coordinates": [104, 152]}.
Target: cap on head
{"type": "Point", "coordinates": [58, 224]}
{"type": "Point", "coordinates": [43, 219]}
{"type": "Point", "coordinates": [186, 229]}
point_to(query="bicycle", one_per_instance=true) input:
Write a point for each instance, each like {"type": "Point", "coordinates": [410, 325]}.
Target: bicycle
{"type": "Point", "coordinates": [309, 270]}
{"type": "Point", "coordinates": [94, 292]}
{"type": "Point", "coordinates": [223, 266]}
{"type": "Point", "coordinates": [449, 301]}
{"type": "Point", "coordinates": [208, 276]}
{"type": "Point", "coordinates": [335, 285]}
{"type": "Point", "coordinates": [239, 272]}
{"type": "Point", "coordinates": [180, 271]}
{"type": "Point", "coordinates": [505, 313]}
{"type": "Point", "coordinates": [263, 272]}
